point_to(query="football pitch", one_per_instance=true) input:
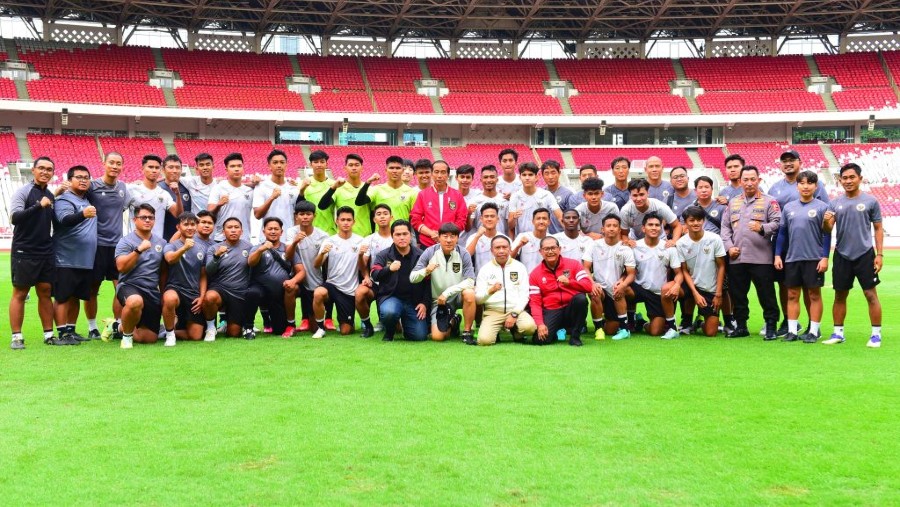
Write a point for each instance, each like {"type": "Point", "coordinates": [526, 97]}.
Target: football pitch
{"type": "Point", "coordinates": [352, 421]}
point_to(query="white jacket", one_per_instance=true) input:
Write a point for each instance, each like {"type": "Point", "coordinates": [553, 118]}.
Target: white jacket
{"type": "Point", "coordinates": [513, 297]}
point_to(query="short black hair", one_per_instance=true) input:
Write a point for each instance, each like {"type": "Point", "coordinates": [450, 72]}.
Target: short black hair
{"type": "Point", "coordinates": [147, 158]}
{"type": "Point", "coordinates": [735, 156]}
{"type": "Point", "coordinates": [852, 166]}
{"type": "Point", "coordinates": [233, 156]}
{"type": "Point", "coordinates": [187, 216]}
{"type": "Point", "coordinates": [548, 238]}
{"type": "Point", "coordinates": [171, 158]}
{"type": "Point", "coordinates": [203, 156]}
{"type": "Point", "coordinates": [612, 165]}
{"type": "Point", "coordinates": [353, 156]}
{"type": "Point", "coordinates": [489, 168]}
{"type": "Point", "coordinates": [612, 216]}
{"type": "Point", "coordinates": [274, 153]}
{"type": "Point", "coordinates": [381, 205]}
{"type": "Point", "coordinates": [552, 164]}
{"type": "Point", "coordinates": [466, 169]}
{"type": "Point", "coordinates": [489, 205]}
{"type": "Point", "coordinates": [509, 151]}
{"type": "Point", "coordinates": [703, 178]}
{"type": "Point", "coordinates": [637, 184]}
{"type": "Point", "coordinates": [401, 223]}
{"type": "Point", "coordinates": [649, 216]}
{"type": "Point", "coordinates": [273, 219]}
{"type": "Point", "coordinates": [678, 167]}
{"type": "Point", "coordinates": [205, 213]}
{"type": "Point", "coordinates": [748, 168]}
{"type": "Point", "coordinates": [113, 153]}
{"type": "Point", "coordinates": [448, 228]}
{"type": "Point", "coordinates": [304, 206]}
{"type": "Point", "coordinates": [587, 167]}
{"type": "Point", "coordinates": [232, 219]}
{"type": "Point", "coordinates": [529, 167]}
{"type": "Point", "coordinates": [74, 169]}
{"type": "Point", "coordinates": [423, 163]}
{"type": "Point", "coordinates": [540, 210]}
{"type": "Point", "coordinates": [48, 159]}
{"type": "Point", "coordinates": [500, 236]}
{"type": "Point", "coordinates": [693, 212]}
{"type": "Point", "coordinates": [145, 207]}
{"type": "Point", "coordinates": [592, 183]}
{"type": "Point", "coordinates": [344, 209]}
{"type": "Point", "coordinates": [318, 155]}
{"type": "Point", "coordinates": [394, 159]}
{"type": "Point", "coordinates": [809, 176]}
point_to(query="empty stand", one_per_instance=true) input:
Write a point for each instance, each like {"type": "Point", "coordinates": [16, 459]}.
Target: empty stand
{"type": "Point", "coordinates": [96, 64]}
{"type": "Point", "coordinates": [229, 97]}
{"type": "Point", "coordinates": [218, 68]}
{"type": "Point", "coordinates": [490, 75]}
{"type": "Point", "coordinates": [765, 156]}
{"type": "Point", "coordinates": [546, 154]}
{"type": "Point", "coordinates": [500, 103]}
{"type": "Point", "coordinates": [9, 149]}
{"type": "Point", "coordinates": [601, 157]}
{"type": "Point", "coordinates": [95, 92]}
{"type": "Point", "coordinates": [760, 102]}
{"type": "Point", "coordinates": [713, 158]}
{"type": "Point", "coordinates": [622, 75]}
{"type": "Point", "coordinates": [480, 155]}
{"type": "Point", "coordinates": [864, 99]}
{"type": "Point", "coordinates": [392, 74]}
{"type": "Point", "coordinates": [402, 102]}
{"type": "Point", "coordinates": [133, 150]}
{"type": "Point", "coordinates": [342, 101]}
{"type": "Point", "coordinates": [865, 85]}
{"type": "Point", "coordinates": [748, 73]}
{"type": "Point", "coordinates": [629, 103]}
{"type": "Point", "coordinates": [8, 89]}
{"type": "Point", "coordinates": [66, 151]}
{"type": "Point", "coordinates": [333, 72]}
{"type": "Point", "coordinates": [253, 152]}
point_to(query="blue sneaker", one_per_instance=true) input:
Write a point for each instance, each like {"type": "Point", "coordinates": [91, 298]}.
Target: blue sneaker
{"type": "Point", "coordinates": [621, 334]}
{"type": "Point", "coordinates": [874, 342]}
{"type": "Point", "coordinates": [561, 335]}
{"type": "Point", "coordinates": [834, 339]}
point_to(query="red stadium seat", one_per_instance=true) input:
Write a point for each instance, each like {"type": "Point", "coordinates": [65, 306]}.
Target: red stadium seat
{"type": "Point", "coordinates": [66, 151]}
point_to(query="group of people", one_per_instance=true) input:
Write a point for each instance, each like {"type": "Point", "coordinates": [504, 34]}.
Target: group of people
{"type": "Point", "coordinates": [513, 257]}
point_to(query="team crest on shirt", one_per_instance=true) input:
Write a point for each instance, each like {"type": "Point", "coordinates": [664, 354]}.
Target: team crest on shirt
{"type": "Point", "coordinates": [245, 253]}
{"type": "Point", "coordinates": [457, 267]}
{"type": "Point", "coordinates": [403, 197]}
{"type": "Point", "coordinates": [428, 204]}
{"type": "Point", "coordinates": [665, 193]}
{"type": "Point", "coordinates": [812, 213]}
{"type": "Point", "coordinates": [452, 205]}
{"type": "Point", "coordinates": [185, 197]}
{"type": "Point", "coordinates": [706, 250]}
{"type": "Point", "coordinates": [566, 273]}
{"type": "Point", "coordinates": [513, 276]}
{"type": "Point", "coordinates": [317, 245]}
{"type": "Point", "coordinates": [354, 248]}
{"type": "Point", "coordinates": [200, 256]}
{"type": "Point", "coordinates": [860, 207]}
{"type": "Point", "coordinates": [158, 248]}
{"type": "Point", "coordinates": [121, 193]}
{"type": "Point", "coordinates": [160, 199]}
{"type": "Point", "coordinates": [714, 213]}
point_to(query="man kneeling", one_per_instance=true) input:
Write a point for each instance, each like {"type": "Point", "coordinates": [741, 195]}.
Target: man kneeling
{"type": "Point", "coordinates": [138, 258]}
{"type": "Point", "coordinates": [502, 287]}
{"type": "Point", "coordinates": [229, 276]}
{"type": "Point", "coordinates": [186, 284]}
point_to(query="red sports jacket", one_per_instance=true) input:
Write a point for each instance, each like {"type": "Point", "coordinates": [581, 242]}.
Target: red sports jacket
{"type": "Point", "coordinates": [547, 293]}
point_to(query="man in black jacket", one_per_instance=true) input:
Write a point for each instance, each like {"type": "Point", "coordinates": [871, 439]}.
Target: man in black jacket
{"type": "Point", "coordinates": [398, 298]}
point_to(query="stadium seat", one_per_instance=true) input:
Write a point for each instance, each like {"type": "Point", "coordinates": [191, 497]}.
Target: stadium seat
{"type": "Point", "coordinates": [66, 151]}
{"type": "Point", "coordinates": [254, 153]}
{"type": "Point", "coordinates": [601, 157]}
{"type": "Point", "coordinates": [9, 149]}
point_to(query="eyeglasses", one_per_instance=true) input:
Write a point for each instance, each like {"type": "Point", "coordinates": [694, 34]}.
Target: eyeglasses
{"type": "Point", "coordinates": [550, 248]}
{"type": "Point", "coordinates": [81, 178]}
{"type": "Point", "coordinates": [145, 218]}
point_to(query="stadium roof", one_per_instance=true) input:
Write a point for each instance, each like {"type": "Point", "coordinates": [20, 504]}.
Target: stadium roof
{"type": "Point", "coordinates": [573, 20]}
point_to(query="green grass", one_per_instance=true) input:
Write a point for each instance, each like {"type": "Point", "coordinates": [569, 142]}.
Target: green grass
{"type": "Point", "coordinates": [346, 421]}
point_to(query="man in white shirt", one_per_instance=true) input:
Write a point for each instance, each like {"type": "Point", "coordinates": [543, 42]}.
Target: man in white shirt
{"type": "Point", "coordinates": [572, 243]}
{"type": "Point", "coordinates": [149, 192]}
{"type": "Point", "coordinates": [527, 246]}
{"type": "Point", "coordinates": [612, 264]}
{"type": "Point", "coordinates": [368, 249]}
{"type": "Point", "coordinates": [342, 253]}
{"type": "Point", "coordinates": [502, 287]}
{"type": "Point", "coordinates": [201, 184]}
{"type": "Point", "coordinates": [523, 202]}
{"type": "Point", "coordinates": [479, 244]}
{"type": "Point", "coordinates": [231, 198]}
{"type": "Point", "coordinates": [703, 264]}
{"type": "Point", "coordinates": [275, 197]}
{"type": "Point", "coordinates": [509, 182]}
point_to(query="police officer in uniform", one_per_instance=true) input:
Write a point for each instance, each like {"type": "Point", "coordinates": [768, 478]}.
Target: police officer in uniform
{"type": "Point", "coordinates": [749, 224]}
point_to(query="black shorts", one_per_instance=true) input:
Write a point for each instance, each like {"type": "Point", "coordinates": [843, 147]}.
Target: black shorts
{"type": "Point", "coordinates": [183, 313]}
{"type": "Point", "coordinates": [780, 277]}
{"type": "Point", "coordinates": [704, 311]}
{"type": "Point", "coordinates": [652, 302]}
{"type": "Point", "coordinates": [233, 306]}
{"type": "Point", "coordinates": [30, 271]}
{"type": "Point", "coordinates": [105, 264]}
{"type": "Point", "coordinates": [152, 312]}
{"type": "Point", "coordinates": [609, 307]}
{"type": "Point", "coordinates": [803, 274]}
{"type": "Point", "coordinates": [862, 269]}
{"type": "Point", "coordinates": [346, 305]}
{"type": "Point", "coordinates": [72, 283]}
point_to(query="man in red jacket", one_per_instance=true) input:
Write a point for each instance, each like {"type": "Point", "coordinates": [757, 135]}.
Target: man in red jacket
{"type": "Point", "coordinates": [436, 205]}
{"type": "Point", "coordinates": [558, 302]}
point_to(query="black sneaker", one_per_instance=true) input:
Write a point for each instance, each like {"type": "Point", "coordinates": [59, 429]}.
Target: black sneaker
{"type": "Point", "coordinates": [455, 322]}
{"type": "Point", "coordinates": [738, 332]}
{"type": "Point", "coordinates": [517, 335]}
{"type": "Point", "coordinates": [78, 337]}
{"type": "Point", "coordinates": [116, 332]}
{"type": "Point", "coordinates": [575, 341]}
{"type": "Point", "coordinates": [249, 334]}
{"type": "Point", "coordinates": [94, 334]}
{"type": "Point", "coordinates": [367, 331]}
{"type": "Point", "coordinates": [810, 337]}
{"type": "Point", "coordinates": [771, 333]}
{"type": "Point", "coordinates": [59, 341]}
{"type": "Point", "coordinates": [17, 344]}
{"type": "Point", "coordinates": [782, 329]}
{"type": "Point", "coordinates": [791, 337]}
{"type": "Point", "coordinates": [468, 338]}
{"type": "Point", "coordinates": [387, 338]}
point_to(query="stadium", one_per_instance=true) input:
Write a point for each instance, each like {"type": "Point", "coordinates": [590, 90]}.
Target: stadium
{"type": "Point", "coordinates": [348, 421]}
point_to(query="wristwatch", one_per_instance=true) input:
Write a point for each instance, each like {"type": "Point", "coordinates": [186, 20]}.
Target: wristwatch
{"type": "Point", "coordinates": [515, 315]}
{"type": "Point", "coordinates": [138, 250]}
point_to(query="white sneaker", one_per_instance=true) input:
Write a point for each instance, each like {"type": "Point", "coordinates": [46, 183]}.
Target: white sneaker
{"type": "Point", "coordinates": [762, 332]}
{"type": "Point", "coordinates": [834, 340]}
{"type": "Point", "coordinates": [670, 334]}
{"type": "Point", "coordinates": [379, 327]}
{"type": "Point", "coordinates": [127, 342]}
{"type": "Point", "coordinates": [874, 342]}
{"type": "Point", "coordinates": [170, 340]}
{"type": "Point", "coordinates": [210, 335]}
{"type": "Point", "coordinates": [319, 334]}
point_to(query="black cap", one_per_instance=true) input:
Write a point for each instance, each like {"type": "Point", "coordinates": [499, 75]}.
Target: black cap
{"type": "Point", "coordinates": [789, 154]}
{"type": "Point", "coordinates": [442, 318]}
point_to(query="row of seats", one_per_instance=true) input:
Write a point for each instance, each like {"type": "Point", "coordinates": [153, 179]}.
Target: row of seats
{"type": "Point", "coordinates": [629, 104]}
{"type": "Point", "coordinates": [490, 75]}
{"type": "Point", "coordinates": [233, 97]}
{"type": "Point", "coordinates": [608, 75]}
{"type": "Point", "coordinates": [784, 101]}
{"type": "Point", "coordinates": [132, 150]}
{"type": "Point", "coordinates": [217, 68]}
{"type": "Point", "coordinates": [602, 157]}
{"type": "Point", "coordinates": [501, 103]}
{"type": "Point", "coordinates": [8, 89]}
{"type": "Point", "coordinates": [66, 151]}
{"type": "Point", "coordinates": [402, 102]}
{"type": "Point", "coordinates": [9, 148]}
{"type": "Point", "coordinates": [392, 74]}
{"type": "Point", "coordinates": [854, 70]}
{"type": "Point", "coordinates": [95, 92]}
{"type": "Point", "coordinates": [765, 156]}
{"type": "Point", "coordinates": [99, 63]}
{"type": "Point", "coordinates": [748, 73]}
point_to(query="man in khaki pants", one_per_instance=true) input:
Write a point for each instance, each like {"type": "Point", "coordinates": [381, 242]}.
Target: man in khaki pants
{"type": "Point", "coordinates": [502, 287]}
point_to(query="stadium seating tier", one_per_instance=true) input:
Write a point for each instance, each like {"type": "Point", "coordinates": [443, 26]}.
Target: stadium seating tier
{"type": "Point", "coordinates": [66, 151]}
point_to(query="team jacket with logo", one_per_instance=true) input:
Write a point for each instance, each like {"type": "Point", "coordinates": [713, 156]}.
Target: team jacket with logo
{"type": "Point", "coordinates": [427, 211]}
{"type": "Point", "coordinates": [514, 295]}
{"type": "Point", "coordinates": [548, 294]}
{"type": "Point", "coordinates": [453, 275]}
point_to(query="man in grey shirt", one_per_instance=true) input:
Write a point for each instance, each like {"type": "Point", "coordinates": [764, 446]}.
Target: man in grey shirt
{"type": "Point", "coordinates": [641, 203]}
{"type": "Point", "coordinates": [138, 257]}
{"type": "Point", "coordinates": [229, 276]}
{"type": "Point", "coordinates": [551, 173]}
{"type": "Point", "coordinates": [186, 283]}
{"type": "Point", "coordinates": [856, 214]}
{"type": "Point", "coordinates": [270, 270]}
{"type": "Point", "coordinates": [660, 189]}
{"type": "Point", "coordinates": [683, 196]}
{"type": "Point", "coordinates": [111, 197]}
{"type": "Point", "coordinates": [303, 243]}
